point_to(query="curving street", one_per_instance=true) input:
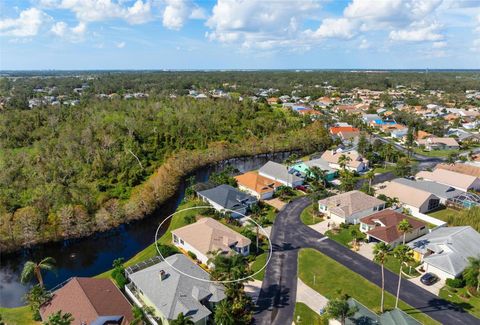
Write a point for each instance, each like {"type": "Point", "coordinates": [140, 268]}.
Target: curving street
{"type": "Point", "coordinates": [276, 302]}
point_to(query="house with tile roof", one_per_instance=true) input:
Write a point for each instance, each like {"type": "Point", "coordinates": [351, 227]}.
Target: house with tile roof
{"type": "Point", "coordinates": [436, 143]}
{"type": "Point", "coordinates": [411, 198]}
{"type": "Point", "coordinates": [446, 250]}
{"type": "Point", "coordinates": [304, 166]}
{"type": "Point", "coordinates": [382, 227]}
{"type": "Point", "coordinates": [447, 177]}
{"type": "Point", "coordinates": [257, 185]}
{"type": "Point", "coordinates": [357, 162]}
{"type": "Point", "coordinates": [443, 192]}
{"type": "Point", "coordinates": [90, 301]}
{"type": "Point", "coordinates": [227, 198]}
{"type": "Point", "coordinates": [461, 168]}
{"type": "Point", "coordinates": [214, 237]}
{"type": "Point", "coordinates": [349, 207]}
{"type": "Point", "coordinates": [173, 286]}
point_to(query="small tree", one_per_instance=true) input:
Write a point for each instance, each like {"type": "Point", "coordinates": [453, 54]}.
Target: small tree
{"type": "Point", "coordinates": [339, 309]}
{"type": "Point", "coordinates": [118, 273]}
{"type": "Point", "coordinates": [182, 320]}
{"type": "Point", "coordinates": [404, 227]}
{"type": "Point", "coordinates": [58, 318]}
{"type": "Point", "coordinates": [404, 254]}
{"type": "Point", "coordinates": [472, 272]}
{"type": "Point", "coordinates": [36, 297]}
{"type": "Point", "coordinates": [31, 269]}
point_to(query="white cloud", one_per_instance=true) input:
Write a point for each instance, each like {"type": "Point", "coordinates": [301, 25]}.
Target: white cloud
{"type": "Point", "coordinates": [417, 33]}
{"type": "Point", "coordinates": [336, 28]}
{"type": "Point", "coordinates": [260, 24]}
{"type": "Point", "coordinates": [177, 12]}
{"type": "Point", "coordinates": [439, 45]}
{"type": "Point", "coordinates": [73, 34]}
{"type": "Point", "coordinates": [27, 24]}
{"type": "Point", "coordinates": [364, 44]}
{"type": "Point", "coordinates": [120, 45]}
{"type": "Point", "coordinates": [100, 10]}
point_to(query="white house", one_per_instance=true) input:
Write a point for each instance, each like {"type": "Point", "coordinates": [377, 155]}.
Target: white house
{"type": "Point", "coordinates": [349, 207]}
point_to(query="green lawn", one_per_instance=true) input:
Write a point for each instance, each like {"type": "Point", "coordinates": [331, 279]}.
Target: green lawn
{"type": "Point", "coordinates": [393, 265]}
{"type": "Point", "coordinates": [333, 279]}
{"type": "Point", "coordinates": [17, 316]}
{"type": "Point", "coordinates": [443, 214]}
{"type": "Point", "coordinates": [259, 262]}
{"type": "Point", "coordinates": [472, 304]}
{"type": "Point", "coordinates": [176, 221]}
{"type": "Point", "coordinates": [435, 153]}
{"type": "Point", "coordinates": [309, 217]}
{"type": "Point", "coordinates": [381, 170]}
{"type": "Point", "coordinates": [304, 315]}
{"type": "Point", "coordinates": [343, 236]}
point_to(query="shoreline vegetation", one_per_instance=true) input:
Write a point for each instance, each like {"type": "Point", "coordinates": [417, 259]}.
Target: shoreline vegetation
{"type": "Point", "coordinates": [157, 189]}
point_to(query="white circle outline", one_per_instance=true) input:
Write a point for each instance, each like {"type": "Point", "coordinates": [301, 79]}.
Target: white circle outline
{"type": "Point", "coordinates": [211, 281]}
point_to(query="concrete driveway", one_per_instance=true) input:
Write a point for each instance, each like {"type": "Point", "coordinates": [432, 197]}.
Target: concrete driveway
{"type": "Point", "coordinates": [434, 288]}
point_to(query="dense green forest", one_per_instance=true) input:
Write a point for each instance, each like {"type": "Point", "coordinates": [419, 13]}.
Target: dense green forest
{"type": "Point", "coordinates": [68, 172]}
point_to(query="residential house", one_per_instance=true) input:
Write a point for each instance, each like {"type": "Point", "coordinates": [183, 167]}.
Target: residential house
{"type": "Point", "coordinates": [227, 198]}
{"type": "Point", "coordinates": [422, 135]}
{"type": "Point", "coordinates": [457, 180]}
{"type": "Point", "coordinates": [173, 286]}
{"type": "Point", "coordinates": [350, 207]}
{"type": "Point", "coordinates": [215, 236]}
{"type": "Point", "coordinates": [365, 316]}
{"type": "Point", "coordinates": [383, 227]}
{"type": "Point", "coordinates": [367, 118]}
{"type": "Point", "coordinates": [257, 185]}
{"type": "Point", "coordinates": [273, 100]}
{"type": "Point", "coordinates": [90, 301]}
{"type": "Point", "coordinates": [336, 130]}
{"type": "Point", "coordinates": [357, 162]}
{"type": "Point", "coordinates": [303, 168]}
{"type": "Point", "coordinates": [413, 198]}
{"type": "Point", "coordinates": [446, 250]}
{"type": "Point", "coordinates": [281, 173]}
{"type": "Point", "coordinates": [436, 143]}
{"type": "Point", "coordinates": [442, 191]}
{"type": "Point", "coordinates": [461, 168]}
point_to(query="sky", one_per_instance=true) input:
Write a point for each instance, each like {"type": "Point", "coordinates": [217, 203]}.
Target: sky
{"type": "Point", "coordinates": [239, 34]}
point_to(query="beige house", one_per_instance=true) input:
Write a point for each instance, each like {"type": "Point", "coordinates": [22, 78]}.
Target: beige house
{"type": "Point", "coordinates": [435, 143]}
{"type": "Point", "coordinates": [461, 168]}
{"type": "Point", "coordinates": [357, 162]}
{"type": "Point", "coordinates": [447, 177]}
{"type": "Point", "coordinates": [207, 236]}
{"type": "Point", "coordinates": [413, 199]}
{"type": "Point", "coordinates": [349, 207]}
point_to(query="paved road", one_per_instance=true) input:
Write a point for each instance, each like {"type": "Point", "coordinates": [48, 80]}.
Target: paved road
{"type": "Point", "coordinates": [277, 298]}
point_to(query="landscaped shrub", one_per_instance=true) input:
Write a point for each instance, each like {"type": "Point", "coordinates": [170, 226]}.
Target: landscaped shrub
{"type": "Point", "coordinates": [189, 219]}
{"type": "Point", "coordinates": [456, 283]}
{"type": "Point", "coordinates": [167, 250]}
{"type": "Point", "coordinates": [192, 255]}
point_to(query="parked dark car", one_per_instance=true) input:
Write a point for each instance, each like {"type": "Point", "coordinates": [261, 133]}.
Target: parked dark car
{"type": "Point", "coordinates": [301, 188]}
{"type": "Point", "coordinates": [429, 279]}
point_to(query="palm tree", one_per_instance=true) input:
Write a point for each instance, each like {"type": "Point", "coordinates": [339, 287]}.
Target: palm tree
{"type": "Point", "coordinates": [182, 320]}
{"type": "Point", "coordinates": [370, 175]}
{"type": "Point", "coordinates": [472, 272]}
{"type": "Point", "coordinates": [58, 318]}
{"type": "Point", "coordinates": [404, 227]}
{"type": "Point", "coordinates": [339, 309]}
{"type": "Point", "coordinates": [404, 254]}
{"type": "Point", "coordinates": [343, 161]}
{"type": "Point", "coordinates": [387, 153]}
{"type": "Point", "coordinates": [318, 175]}
{"type": "Point", "coordinates": [31, 269]}
{"type": "Point", "coordinates": [223, 314]}
{"type": "Point", "coordinates": [140, 315]}
{"type": "Point", "coordinates": [381, 251]}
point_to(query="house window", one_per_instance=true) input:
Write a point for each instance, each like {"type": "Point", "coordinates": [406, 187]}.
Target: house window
{"type": "Point", "coordinates": [181, 241]}
{"type": "Point", "coordinates": [175, 239]}
{"type": "Point", "coordinates": [375, 208]}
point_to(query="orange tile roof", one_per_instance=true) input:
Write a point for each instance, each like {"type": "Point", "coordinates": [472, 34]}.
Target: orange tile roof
{"type": "Point", "coordinates": [337, 129]}
{"type": "Point", "coordinates": [422, 134]}
{"type": "Point", "coordinates": [257, 183]}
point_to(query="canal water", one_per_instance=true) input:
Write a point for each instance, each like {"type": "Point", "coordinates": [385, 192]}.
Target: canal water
{"type": "Point", "coordinates": [93, 255]}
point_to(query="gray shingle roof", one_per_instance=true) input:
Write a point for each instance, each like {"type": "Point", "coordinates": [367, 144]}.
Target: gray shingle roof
{"type": "Point", "coordinates": [451, 247]}
{"type": "Point", "coordinates": [228, 197]}
{"type": "Point", "coordinates": [440, 190]}
{"type": "Point", "coordinates": [178, 293]}
{"type": "Point", "coordinates": [279, 172]}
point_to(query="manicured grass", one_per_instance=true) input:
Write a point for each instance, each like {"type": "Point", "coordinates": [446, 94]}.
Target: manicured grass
{"type": "Point", "coordinates": [443, 214]}
{"type": "Point", "coordinates": [304, 315]}
{"type": "Point", "coordinates": [435, 153]}
{"type": "Point", "coordinates": [381, 170]}
{"type": "Point", "coordinates": [471, 304]}
{"type": "Point", "coordinates": [176, 221]}
{"type": "Point", "coordinates": [343, 236]}
{"type": "Point", "coordinates": [309, 217]}
{"type": "Point", "coordinates": [393, 264]}
{"type": "Point", "coordinates": [17, 316]}
{"type": "Point", "coordinates": [258, 264]}
{"type": "Point", "coordinates": [333, 279]}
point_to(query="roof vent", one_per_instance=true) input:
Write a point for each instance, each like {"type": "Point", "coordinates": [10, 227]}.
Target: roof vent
{"type": "Point", "coordinates": [162, 274]}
